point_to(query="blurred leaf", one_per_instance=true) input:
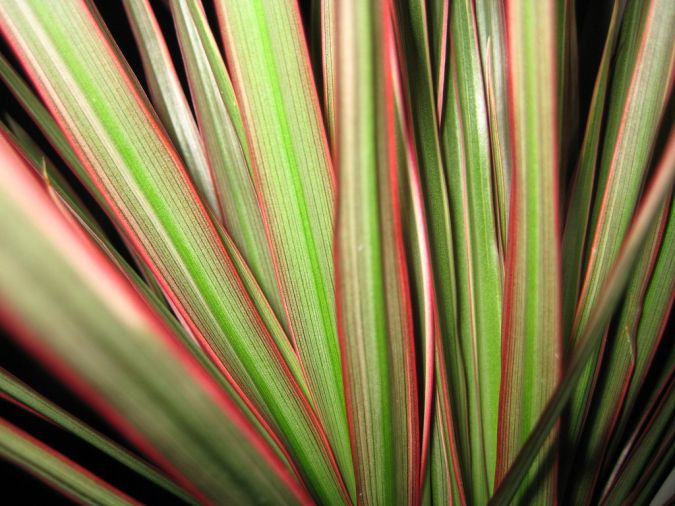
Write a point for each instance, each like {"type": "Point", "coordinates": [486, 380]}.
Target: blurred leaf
{"type": "Point", "coordinates": [641, 86]}
{"type": "Point", "coordinates": [141, 178]}
{"type": "Point", "coordinates": [173, 412]}
{"type": "Point", "coordinates": [612, 289]}
{"type": "Point", "coordinates": [43, 119]}
{"type": "Point", "coordinates": [30, 400]}
{"type": "Point", "coordinates": [56, 470]}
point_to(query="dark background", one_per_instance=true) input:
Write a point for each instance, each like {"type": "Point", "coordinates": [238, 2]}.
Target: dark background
{"type": "Point", "coordinates": [21, 488]}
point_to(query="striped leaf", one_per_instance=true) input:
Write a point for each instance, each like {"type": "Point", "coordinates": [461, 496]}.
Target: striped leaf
{"type": "Point", "coordinates": [468, 167]}
{"type": "Point", "coordinates": [224, 139]}
{"type": "Point", "coordinates": [641, 87]}
{"type": "Point", "coordinates": [295, 180]}
{"type": "Point", "coordinates": [168, 97]}
{"type": "Point", "coordinates": [375, 318]}
{"type": "Point", "coordinates": [73, 323]}
{"type": "Point", "coordinates": [660, 189]}
{"type": "Point", "coordinates": [55, 469]}
{"type": "Point", "coordinates": [610, 395]}
{"type": "Point", "coordinates": [532, 326]}
{"type": "Point", "coordinates": [22, 395]}
{"type": "Point", "coordinates": [141, 177]}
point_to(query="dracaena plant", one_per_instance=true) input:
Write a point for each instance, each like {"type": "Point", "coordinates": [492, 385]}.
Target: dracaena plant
{"type": "Point", "coordinates": [351, 252]}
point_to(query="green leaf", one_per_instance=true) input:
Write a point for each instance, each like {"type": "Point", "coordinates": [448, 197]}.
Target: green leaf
{"type": "Point", "coordinates": [376, 326]}
{"type": "Point", "coordinates": [468, 168]}
{"type": "Point", "coordinates": [447, 482]}
{"type": "Point", "coordinates": [323, 12]}
{"type": "Point", "coordinates": [649, 455]}
{"type": "Point", "coordinates": [224, 139]}
{"type": "Point", "coordinates": [437, 12]}
{"type": "Point", "coordinates": [43, 167]}
{"type": "Point", "coordinates": [168, 97]}
{"type": "Point", "coordinates": [143, 181]}
{"type": "Point", "coordinates": [25, 397]}
{"type": "Point", "coordinates": [581, 193]}
{"type": "Point", "coordinates": [610, 394]}
{"type": "Point", "coordinates": [294, 176]}
{"type": "Point", "coordinates": [532, 327]}
{"type": "Point", "coordinates": [640, 90]}
{"type": "Point", "coordinates": [32, 105]}
{"type": "Point", "coordinates": [491, 26]}
{"type": "Point", "coordinates": [651, 324]}
{"type": "Point", "coordinates": [418, 251]}
{"type": "Point", "coordinates": [444, 483]}
{"type": "Point", "coordinates": [656, 309]}
{"type": "Point", "coordinates": [609, 296]}
{"type": "Point", "coordinates": [55, 469]}
{"type": "Point", "coordinates": [63, 194]}
{"type": "Point", "coordinates": [419, 90]}
{"type": "Point", "coordinates": [71, 310]}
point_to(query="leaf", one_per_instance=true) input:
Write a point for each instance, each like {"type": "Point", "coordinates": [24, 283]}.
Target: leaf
{"type": "Point", "coordinates": [532, 327]}
{"type": "Point", "coordinates": [568, 89]}
{"type": "Point", "coordinates": [138, 172]}
{"type": "Point", "coordinates": [649, 456]}
{"type": "Point", "coordinates": [610, 394]}
{"type": "Point", "coordinates": [581, 193]}
{"type": "Point", "coordinates": [491, 25]}
{"type": "Point", "coordinates": [414, 222]}
{"type": "Point", "coordinates": [642, 83]}
{"type": "Point", "coordinates": [656, 309]}
{"type": "Point", "coordinates": [55, 469]}
{"type": "Point", "coordinates": [55, 137]}
{"type": "Point", "coordinates": [416, 68]}
{"type": "Point", "coordinates": [437, 13]}
{"type": "Point", "coordinates": [468, 168]}
{"type": "Point", "coordinates": [63, 195]}
{"type": "Point", "coordinates": [24, 396]}
{"type": "Point", "coordinates": [222, 131]}
{"type": "Point", "coordinates": [447, 481]}
{"type": "Point", "coordinates": [45, 169]}
{"type": "Point", "coordinates": [324, 10]}
{"type": "Point", "coordinates": [374, 306]}
{"type": "Point", "coordinates": [610, 294]}
{"type": "Point", "coordinates": [651, 325]}
{"type": "Point", "coordinates": [45, 123]}
{"type": "Point", "coordinates": [71, 310]}
{"type": "Point", "coordinates": [294, 177]}
{"type": "Point", "coordinates": [501, 165]}
{"type": "Point", "coordinates": [168, 97]}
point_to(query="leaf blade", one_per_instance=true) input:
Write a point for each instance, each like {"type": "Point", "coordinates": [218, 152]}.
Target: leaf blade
{"type": "Point", "coordinates": [294, 175]}
{"type": "Point", "coordinates": [612, 288]}
{"type": "Point", "coordinates": [143, 181]}
{"type": "Point", "coordinates": [55, 469]}
{"type": "Point", "coordinates": [71, 311]}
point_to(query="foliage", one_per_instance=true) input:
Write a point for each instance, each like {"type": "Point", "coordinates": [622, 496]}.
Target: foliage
{"type": "Point", "coordinates": [392, 255]}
